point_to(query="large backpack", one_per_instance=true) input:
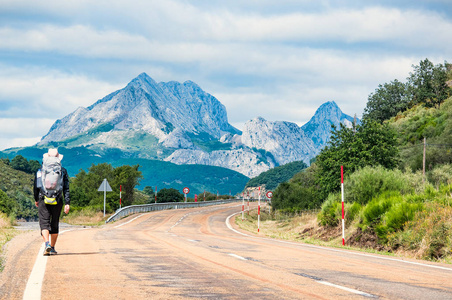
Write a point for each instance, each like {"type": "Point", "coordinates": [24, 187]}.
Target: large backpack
{"type": "Point", "coordinates": [50, 179]}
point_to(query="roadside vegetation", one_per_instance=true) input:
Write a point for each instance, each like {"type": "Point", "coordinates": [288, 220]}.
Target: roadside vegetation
{"type": "Point", "coordinates": [7, 232]}
{"type": "Point", "coordinates": [391, 205]}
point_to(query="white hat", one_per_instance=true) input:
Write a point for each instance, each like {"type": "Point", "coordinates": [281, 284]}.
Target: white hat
{"type": "Point", "coordinates": [53, 153]}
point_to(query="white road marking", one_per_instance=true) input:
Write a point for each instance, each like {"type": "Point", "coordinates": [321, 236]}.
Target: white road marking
{"type": "Point", "coordinates": [228, 224]}
{"type": "Point", "coordinates": [34, 284]}
{"type": "Point", "coordinates": [237, 256]}
{"type": "Point", "coordinates": [346, 289]}
{"type": "Point", "coordinates": [117, 226]}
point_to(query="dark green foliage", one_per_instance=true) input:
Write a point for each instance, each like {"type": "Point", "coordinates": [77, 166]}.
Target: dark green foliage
{"type": "Point", "coordinates": [18, 188]}
{"type": "Point", "coordinates": [371, 144]}
{"type": "Point", "coordinates": [169, 195]}
{"type": "Point", "coordinates": [387, 101]}
{"type": "Point", "coordinates": [427, 84]}
{"type": "Point", "coordinates": [22, 164]}
{"type": "Point", "coordinates": [375, 209]}
{"type": "Point", "coordinates": [7, 205]}
{"type": "Point", "coordinates": [368, 182]}
{"type": "Point", "coordinates": [352, 211]}
{"type": "Point", "coordinates": [84, 187]}
{"type": "Point", "coordinates": [331, 212]}
{"type": "Point", "coordinates": [395, 219]}
{"type": "Point", "coordinates": [148, 190]}
{"type": "Point", "coordinates": [273, 177]}
{"type": "Point", "coordinates": [300, 193]}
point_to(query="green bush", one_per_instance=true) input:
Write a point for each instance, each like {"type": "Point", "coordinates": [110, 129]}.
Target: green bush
{"type": "Point", "coordinates": [396, 218]}
{"type": "Point", "coordinates": [440, 175]}
{"type": "Point", "coordinates": [375, 209]}
{"type": "Point", "coordinates": [331, 211]}
{"type": "Point", "coordinates": [368, 182]}
{"type": "Point", "coordinates": [352, 210]}
{"type": "Point", "coordinates": [428, 234]}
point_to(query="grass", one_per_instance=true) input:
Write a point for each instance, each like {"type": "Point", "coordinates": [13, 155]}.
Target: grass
{"type": "Point", "coordinates": [87, 217]}
{"type": "Point", "coordinates": [7, 232]}
{"type": "Point", "coordinates": [304, 228]}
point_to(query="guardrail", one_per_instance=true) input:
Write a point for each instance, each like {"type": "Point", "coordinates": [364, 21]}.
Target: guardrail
{"type": "Point", "coordinates": [134, 209]}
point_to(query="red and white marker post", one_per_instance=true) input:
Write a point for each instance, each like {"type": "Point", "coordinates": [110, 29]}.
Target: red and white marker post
{"type": "Point", "coordinates": [120, 190]}
{"type": "Point", "coordinates": [259, 210]}
{"type": "Point", "coordinates": [243, 204]}
{"type": "Point", "coordinates": [343, 210]}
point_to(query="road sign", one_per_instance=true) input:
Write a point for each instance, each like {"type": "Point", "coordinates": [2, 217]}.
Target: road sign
{"type": "Point", "coordinates": [186, 190]}
{"type": "Point", "coordinates": [105, 187]}
{"type": "Point", "coordinates": [269, 194]}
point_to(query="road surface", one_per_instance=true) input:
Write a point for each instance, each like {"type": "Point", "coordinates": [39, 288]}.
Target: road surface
{"type": "Point", "coordinates": [194, 254]}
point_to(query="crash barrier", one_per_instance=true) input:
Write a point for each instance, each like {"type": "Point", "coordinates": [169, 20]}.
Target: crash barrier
{"type": "Point", "coordinates": [135, 209]}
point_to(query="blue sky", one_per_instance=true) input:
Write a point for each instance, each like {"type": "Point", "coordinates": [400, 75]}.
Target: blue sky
{"type": "Point", "coordinates": [276, 59]}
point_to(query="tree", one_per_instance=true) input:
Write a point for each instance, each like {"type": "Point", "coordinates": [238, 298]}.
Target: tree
{"type": "Point", "coordinates": [427, 84]}
{"type": "Point", "coordinates": [148, 191]}
{"type": "Point", "coordinates": [7, 205]}
{"type": "Point", "coordinates": [387, 101]}
{"type": "Point", "coordinates": [20, 163]}
{"type": "Point", "coordinates": [169, 195]}
{"type": "Point", "coordinates": [128, 177]}
{"type": "Point", "coordinates": [371, 144]}
{"type": "Point", "coordinates": [84, 187]}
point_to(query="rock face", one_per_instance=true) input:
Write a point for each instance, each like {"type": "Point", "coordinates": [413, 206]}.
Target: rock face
{"type": "Point", "coordinates": [183, 124]}
{"type": "Point", "coordinates": [318, 129]}
{"type": "Point", "coordinates": [156, 108]}
{"type": "Point", "coordinates": [286, 141]}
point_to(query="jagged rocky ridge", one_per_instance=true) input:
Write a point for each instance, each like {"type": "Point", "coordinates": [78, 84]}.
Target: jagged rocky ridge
{"type": "Point", "coordinates": [183, 124]}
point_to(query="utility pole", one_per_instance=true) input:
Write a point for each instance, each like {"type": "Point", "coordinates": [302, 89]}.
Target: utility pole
{"type": "Point", "coordinates": [423, 161]}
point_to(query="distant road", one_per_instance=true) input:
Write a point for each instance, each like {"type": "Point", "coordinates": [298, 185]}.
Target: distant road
{"type": "Point", "coordinates": [193, 253]}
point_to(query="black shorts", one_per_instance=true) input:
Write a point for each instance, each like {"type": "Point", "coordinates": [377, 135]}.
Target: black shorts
{"type": "Point", "coordinates": [49, 216]}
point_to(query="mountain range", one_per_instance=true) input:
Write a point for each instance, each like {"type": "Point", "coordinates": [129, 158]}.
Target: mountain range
{"type": "Point", "coordinates": [181, 124]}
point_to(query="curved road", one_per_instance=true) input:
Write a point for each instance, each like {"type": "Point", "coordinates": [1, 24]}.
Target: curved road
{"type": "Point", "coordinates": [193, 253]}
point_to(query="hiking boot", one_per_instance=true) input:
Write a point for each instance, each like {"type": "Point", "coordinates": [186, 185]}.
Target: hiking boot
{"type": "Point", "coordinates": [47, 250]}
{"type": "Point", "coordinates": [52, 251]}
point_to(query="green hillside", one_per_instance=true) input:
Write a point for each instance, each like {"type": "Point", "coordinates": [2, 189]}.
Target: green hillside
{"type": "Point", "coordinates": [16, 192]}
{"type": "Point", "coordinates": [273, 177]}
{"type": "Point", "coordinates": [155, 173]}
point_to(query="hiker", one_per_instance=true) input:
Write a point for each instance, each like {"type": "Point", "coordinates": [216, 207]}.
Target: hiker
{"type": "Point", "coordinates": [51, 188]}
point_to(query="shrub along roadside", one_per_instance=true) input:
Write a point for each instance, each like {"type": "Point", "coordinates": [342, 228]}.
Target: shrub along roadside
{"type": "Point", "coordinates": [404, 215]}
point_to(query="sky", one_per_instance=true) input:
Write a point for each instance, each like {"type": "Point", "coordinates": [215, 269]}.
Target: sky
{"type": "Point", "coordinates": [279, 60]}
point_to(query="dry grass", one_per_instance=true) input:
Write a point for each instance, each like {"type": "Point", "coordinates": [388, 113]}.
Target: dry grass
{"type": "Point", "coordinates": [87, 218]}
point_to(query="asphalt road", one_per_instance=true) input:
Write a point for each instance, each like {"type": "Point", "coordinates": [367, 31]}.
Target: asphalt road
{"type": "Point", "coordinates": [194, 254]}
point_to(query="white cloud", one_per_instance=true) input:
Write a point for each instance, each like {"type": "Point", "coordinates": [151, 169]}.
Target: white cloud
{"type": "Point", "coordinates": [279, 64]}
{"type": "Point", "coordinates": [33, 92]}
{"type": "Point", "coordinates": [20, 132]}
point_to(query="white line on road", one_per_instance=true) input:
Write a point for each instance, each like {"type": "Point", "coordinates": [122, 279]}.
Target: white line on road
{"type": "Point", "coordinates": [34, 283]}
{"type": "Point", "coordinates": [237, 256]}
{"type": "Point", "coordinates": [346, 289]}
{"type": "Point", "coordinates": [117, 226]}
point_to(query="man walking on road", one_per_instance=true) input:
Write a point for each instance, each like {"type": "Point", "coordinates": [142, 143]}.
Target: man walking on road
{"type": "Point", "coordinates": [51, 189]}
